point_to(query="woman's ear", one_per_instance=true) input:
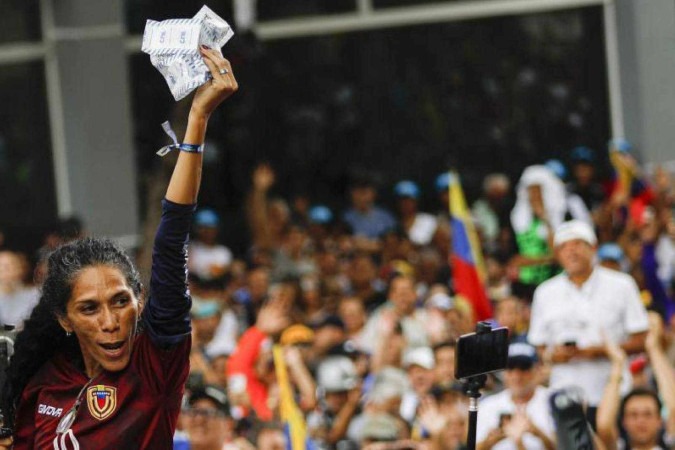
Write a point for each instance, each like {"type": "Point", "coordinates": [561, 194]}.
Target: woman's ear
{"type": "Point", "coordinates": [65, 323]}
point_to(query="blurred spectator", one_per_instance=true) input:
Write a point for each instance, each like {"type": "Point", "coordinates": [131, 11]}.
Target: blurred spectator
{"type": "Point", "coordinates": [399, 311]}
{"type": "Point", "coordinates": [444, 358]}
{"type": "Point", "coordinates": [353, 315]}
{"type": "Point", "coordinates": [491, 212]}
{"type": "Point", "coordinates": [518, 417]}
{"type": "Point", "coordinates": [639, 412]}
{"type": "Point", "coordinates": [363, 281]}
{"type": "Point", "coordinates": [207, 420]}
{"type": "Point", "coordinates": [419, 364]}
{"type": "Point", "coordinates": [207, 258]}
{"type": "Point", "coordinates": [583, 182]}
{"type": "Point", "coordinates": [365, 218]}
{"type": "Point", "coordinates": [420, 227]}
{"type": "Point", "coordinates": [510, 313]}
{"type": "Point", "coordinates": [16, 298]}
{"type": "Point", "coordinates": [540, 207]}
{"type": "Point", "coordinates": [574, 312]}
{"type": "Point", "coordinates": [252, 296]}
{"type": "Point", "coordinates": [339, 395]}
{"type": "Point", "coordinates": [205, 315]}
{"type": "Point", "coordinates": [267, 219]}
{"type": "Point", "coordinates": [610, 256]}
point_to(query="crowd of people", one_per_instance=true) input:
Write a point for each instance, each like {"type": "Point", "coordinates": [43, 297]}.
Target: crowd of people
{"type": "Point", "coordinates": [344, 322]}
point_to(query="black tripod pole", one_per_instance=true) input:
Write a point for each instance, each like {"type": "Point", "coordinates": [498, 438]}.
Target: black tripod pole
{"type": "Point", "coordinates": [473, 387]}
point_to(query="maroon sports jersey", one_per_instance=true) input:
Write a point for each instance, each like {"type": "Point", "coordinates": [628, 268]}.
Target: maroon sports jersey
{"type": "Point", "coordinates": [135, 408]}
{"type": "Point", "coordinates": [143, 400]}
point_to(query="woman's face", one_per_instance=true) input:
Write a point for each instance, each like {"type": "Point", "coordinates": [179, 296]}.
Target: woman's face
{"type": "Point", "coordinates": [102, 312]}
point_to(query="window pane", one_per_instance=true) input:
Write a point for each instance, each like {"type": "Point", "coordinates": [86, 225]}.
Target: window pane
{"type": "Point", "coordinates": [390, 3]}
{"type": "Point", "coordinates": [273, 9]}
{"type": "Point", "coordinates": [26, 176]}
{"type": "Point", "coordinates": [19, 21]}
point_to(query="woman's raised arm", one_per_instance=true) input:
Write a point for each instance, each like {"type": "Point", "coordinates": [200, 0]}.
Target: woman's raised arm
{"type": "Point", "coordinates": [184, 185]}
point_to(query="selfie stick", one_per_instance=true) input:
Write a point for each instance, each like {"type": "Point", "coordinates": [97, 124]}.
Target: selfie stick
{"type": "Point", "coordinates": [473, 386]}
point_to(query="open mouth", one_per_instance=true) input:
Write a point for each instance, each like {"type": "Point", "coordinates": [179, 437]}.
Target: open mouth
{"type": "Point", "coordinates": [113, 349]}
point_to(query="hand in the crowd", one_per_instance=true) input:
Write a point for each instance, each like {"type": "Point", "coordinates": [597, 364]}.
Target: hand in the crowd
{"type": "Point", "coordinates": [615, 353]}
{"type": "Point", "coordinates": [272, 318]}
{"type": "Point", "coordinates": [516, 428]}
{"type": "Point", "coordinates": [292, 356]}
{"type": "Point", "coordinates": [654, 337]}
{"type": "Point", "coordinates": [564, 353]}
{"type": "Point", "coordinates": [430, 417]}
{"type": "Point", "coordinates": [222, 85]}
{"type": "Point", "coordinates": [354, 396]}
{"type": "Point", "coordinates": [387, 323]}
{"type": "Point", "coordinates": [263, 177]}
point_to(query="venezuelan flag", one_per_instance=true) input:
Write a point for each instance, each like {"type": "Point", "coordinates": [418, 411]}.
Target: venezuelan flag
{"type": "Point", "coordinates": [294, 420]}
{"type": "Point", "coordinates": [468, 269]}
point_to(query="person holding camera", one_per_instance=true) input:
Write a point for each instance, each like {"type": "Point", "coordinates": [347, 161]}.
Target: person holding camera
{"type": "Point", "coordinates": [96, 365]}
{"type": "Point", "coordinates": [575, 311]}
{"type": "Point", "coordinates": [518, 417]}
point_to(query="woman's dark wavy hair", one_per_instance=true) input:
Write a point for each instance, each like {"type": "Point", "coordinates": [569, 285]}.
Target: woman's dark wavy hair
{"type": "Point", "coordinates": [42, 336]}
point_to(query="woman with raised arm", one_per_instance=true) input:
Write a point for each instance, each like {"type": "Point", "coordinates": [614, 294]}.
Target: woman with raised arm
{"type": "Point", "coordinates": [96, 366]}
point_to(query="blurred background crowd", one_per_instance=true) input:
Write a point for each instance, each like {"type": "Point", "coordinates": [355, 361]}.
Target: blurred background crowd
{"type": "Point", "coordinates": [356, 308]}
{"type": "Point", "coordinates": [324, 259]}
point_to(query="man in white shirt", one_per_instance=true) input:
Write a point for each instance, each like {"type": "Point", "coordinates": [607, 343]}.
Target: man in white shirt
{"type": "Point", "coordinates": [208, 259]}
{"type": "Point", "coordinates": [575, 312]}
{"type": "Point", "coordinates": [519, 417]}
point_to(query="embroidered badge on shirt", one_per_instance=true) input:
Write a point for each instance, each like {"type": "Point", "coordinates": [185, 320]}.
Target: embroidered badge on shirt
{"type": "Point", "coordinates": [102, 401]}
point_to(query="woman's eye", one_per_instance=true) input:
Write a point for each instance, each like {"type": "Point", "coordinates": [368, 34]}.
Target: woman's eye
{"type": "Point", "coordinates": [88, 309]}
{"type": "Point", "coordinates": [122, 301]}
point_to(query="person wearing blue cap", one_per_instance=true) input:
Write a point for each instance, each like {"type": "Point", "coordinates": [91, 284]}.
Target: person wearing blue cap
{"type": "Point", "coordinates": [207, 259]}
{"type": "Point", "coordinates": [320, 218]}
{"type": "Point", "coordinates": [584, 183]}
{"type": "Point", "coordinates": [518, 417]}
{"type": "Point", "coordinates": [419, 226]}
{"type": "Point", "coordinates": [610, 256]}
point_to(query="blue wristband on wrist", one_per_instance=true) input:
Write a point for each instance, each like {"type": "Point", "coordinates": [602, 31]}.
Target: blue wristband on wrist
{"type": "Point", "coordinates": [191, 148]}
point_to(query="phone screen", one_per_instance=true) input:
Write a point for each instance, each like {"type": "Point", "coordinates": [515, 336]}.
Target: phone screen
{"type": "Point", "coordinates": [482, 353]}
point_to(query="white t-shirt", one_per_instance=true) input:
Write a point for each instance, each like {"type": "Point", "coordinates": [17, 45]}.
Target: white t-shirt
{"type": "Point", "coordinates": [225, 338]}
{"type": "Point", "coordinates": [537, 410]}
{"type": "Point", "coordinates": [17, 306]}
{"type": "Point", "coordinates": [208, 262]}
{"type": "Point", "coordinates": [607, 303]}
{"type": "Point", "coordinates": [423, 228]}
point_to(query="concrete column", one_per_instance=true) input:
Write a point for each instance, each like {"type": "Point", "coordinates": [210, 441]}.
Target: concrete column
{"type": "Point", "coordinates": [90, 113]}
{"type": "Point", "coordinates": [646, 37]}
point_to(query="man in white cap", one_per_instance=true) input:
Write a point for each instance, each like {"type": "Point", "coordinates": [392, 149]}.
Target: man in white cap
{"type": "Point", "coordinates": [575, 312]}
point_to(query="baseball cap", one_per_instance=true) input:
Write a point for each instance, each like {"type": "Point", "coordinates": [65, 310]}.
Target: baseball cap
{"type": "Point", "coordinates": [420, 356]}
{"type": "Point", "coordinates": [521, 356]}
{"type": "Point", "coordinates": [582, 154]}
{"type": "Point", "coordinates": [620, 144]}
{"type": "Point", "coordinates": [610, 251]}
{"type": "Point", "coordinates": [337, 374]}
{"type": "Point", "coordinates": [574, 229]}
{"type": "Point", "coordinates": [407, 188]}
{"type": "Point", "coordinates": [557, 167]}
{"type": "Point", "coordinates": [442, 301]}
{"type": "Point", "coordinates": [320, 214]}
{"type": "Point", "coordinates": [207, 218]}
{"type": "Point", "coordinates": [443, 181]}
{"type": "Point", "coordinates": [213, 393]}
{"type": "Point", "coordinates": [297, 334]}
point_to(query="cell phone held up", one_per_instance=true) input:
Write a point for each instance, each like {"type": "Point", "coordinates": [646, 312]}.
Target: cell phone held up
{"type": "Point", "coordinates": [482, 352]}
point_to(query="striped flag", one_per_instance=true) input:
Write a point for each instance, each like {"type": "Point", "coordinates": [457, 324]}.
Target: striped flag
{"type": "Point", "coordinates": [468, 269]}
{"type": "Point", "coordinates": [295, 427]}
